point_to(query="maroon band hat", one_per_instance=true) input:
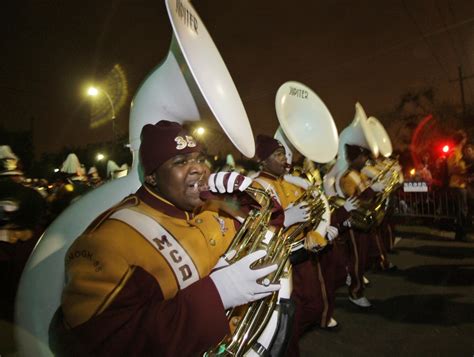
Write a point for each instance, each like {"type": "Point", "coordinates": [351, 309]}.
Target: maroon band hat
{"type": "Point", "coordinates": [162, 141]}
{"type": "Point", "coordinates": [265, 146]}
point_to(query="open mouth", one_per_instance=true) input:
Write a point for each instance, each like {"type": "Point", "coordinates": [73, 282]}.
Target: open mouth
{"type": "Point", "coordinates": [199, 185]}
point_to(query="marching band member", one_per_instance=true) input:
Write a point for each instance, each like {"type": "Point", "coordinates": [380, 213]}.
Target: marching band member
{"type": "Point", "coordinates": [72, 185]}
{"type": "Point", "coordinates": [354, 183]}
{"type": "Point", "coordinates": [380, 237]}
{"type": "Point", "coordinates": [312, 305]}
{"type": "Point", "coordinates": [145, 277]}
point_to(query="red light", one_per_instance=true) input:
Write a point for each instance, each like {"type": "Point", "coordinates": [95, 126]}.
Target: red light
{"type": "Point", "coordinates": [445, 148]}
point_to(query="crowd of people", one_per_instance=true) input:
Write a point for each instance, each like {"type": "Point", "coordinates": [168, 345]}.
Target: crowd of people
{"type": "Point", "coordinates": [451, 175]}
{"type": "Point", "coordinates": [29, 205]}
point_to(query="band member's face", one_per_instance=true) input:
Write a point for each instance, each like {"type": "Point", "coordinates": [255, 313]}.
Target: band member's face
{"type": "Point", "coordinates": [276, 163]}
{"type": "Point", "coordinates": [360, 161]}
{"type": "Point", "coordinates": [181, 179]}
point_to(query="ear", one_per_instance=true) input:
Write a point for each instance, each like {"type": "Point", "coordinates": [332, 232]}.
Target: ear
{"type": "Point", "coordinates": [151, 179]}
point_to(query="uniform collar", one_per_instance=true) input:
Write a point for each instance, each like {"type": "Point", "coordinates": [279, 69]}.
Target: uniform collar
{"type": "Point", "coordinates": [157, 202]}
{"type": "Point", "coordinates": [266, 174]}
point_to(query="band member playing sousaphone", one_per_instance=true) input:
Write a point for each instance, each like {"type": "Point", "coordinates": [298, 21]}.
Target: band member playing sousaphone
{"type": "Point", "coordinates": [147, 277]}
{"type": "Point", "coordinates": [356, 145]}
{"type": "Point", "coordinates": [381, 240]}
{"type": "Point", "coordinates": [149, 290]}
{"type": "Point", "coordinates": [306, 128]}
{"type": "Point", "coordinates": [388, 171]}
{"type": "Point", "coordinates": [273, 178]}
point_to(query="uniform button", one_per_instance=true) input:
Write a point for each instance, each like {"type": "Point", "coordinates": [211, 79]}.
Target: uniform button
{"type": "Point", "coordinates": [199, 221]}
{"type": "Point", "coordinates": [212, 242]}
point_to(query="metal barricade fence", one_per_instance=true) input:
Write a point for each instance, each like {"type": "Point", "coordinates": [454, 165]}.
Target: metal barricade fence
{"type": "Point", "coordinates": [435, 203]}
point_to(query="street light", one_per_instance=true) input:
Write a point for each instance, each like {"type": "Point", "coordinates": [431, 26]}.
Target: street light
{"type": "Point", "coordinates": [93, 91]}
{"type": "Point", "coordinates": [100, 157]}
{"type": "Point", "coordinates": [200, 131]}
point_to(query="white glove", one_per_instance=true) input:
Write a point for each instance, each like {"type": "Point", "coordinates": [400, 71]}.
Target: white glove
{"type": "Point", "coordinates": [296, 214]}
{"type": "Point", "coordinates": [351, 204]}
{"type": "Point", "coordinates": [223, 261]}
{"type": "Point", "coordinates": [331, 233]}
{"type": "Point", "coordinates": [228, 182]}
{"type": "Point", "coordinates": [237, 283]}
{"type": "Point", "coordinates": [377, 186]}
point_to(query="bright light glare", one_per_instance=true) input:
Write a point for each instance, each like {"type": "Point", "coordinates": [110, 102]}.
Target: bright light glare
{"type": "Point", "coordinates": [100, 157]}
{"type": "Point", "coordinates": [93, 91]}
{"type": "Point", "coordinates": [412, 172]}
{"type": "Point", "coordinates": [200, 130]}
{"type": "Point", "coordinates": [445, 148]}
{"type": "Point", "coordinates": [56, 170]}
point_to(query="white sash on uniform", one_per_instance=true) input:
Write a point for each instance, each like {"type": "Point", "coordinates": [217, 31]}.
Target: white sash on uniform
{"type": "Point", "coordinates": [268, 187]}
{"type": "Point", "coordinates": [183, 267]}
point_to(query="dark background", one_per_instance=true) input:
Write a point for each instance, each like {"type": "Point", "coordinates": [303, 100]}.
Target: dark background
{"type": "Point", "coordinates": [370, 51]}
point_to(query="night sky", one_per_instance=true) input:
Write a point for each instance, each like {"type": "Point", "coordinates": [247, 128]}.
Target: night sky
{"type": "Point", "coordinates": [369, 51]}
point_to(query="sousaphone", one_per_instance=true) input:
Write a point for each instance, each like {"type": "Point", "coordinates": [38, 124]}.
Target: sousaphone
{"type": "Point", "coordinates": [191, 82]}
{"type": "Point", "coordinates": [381, 136]}
{"type": "Point", "coordinates": [307, 126]}
{"type": "Point", "coordinates": [306, 122]}
{"type": "Point", "coordinates": [357, 133]}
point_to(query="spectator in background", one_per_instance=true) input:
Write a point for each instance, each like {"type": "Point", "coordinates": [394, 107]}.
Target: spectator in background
{"type": "Point", "coordinates": [458, 183]}
{"type": "Point", "coordinates": [440, 173]}
{"type": "Point", "coordinates": [93, 177]}
{"type": "Point", "coordinates": [423, 170]}
{"type": "Point", "coordinates": [22, 221]}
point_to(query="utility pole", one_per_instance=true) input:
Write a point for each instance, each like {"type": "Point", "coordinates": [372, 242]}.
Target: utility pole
{"type": "Point", "coordinates": [461, 79]}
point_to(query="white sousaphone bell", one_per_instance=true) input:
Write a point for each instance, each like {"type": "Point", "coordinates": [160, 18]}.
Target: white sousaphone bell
{"type": "Point", "coordinates": [381, 136]}
{"type": "Point", "coordinates": [385, 144]}
{"type": "Point", "coordinates": [305, 122]}
{"type": "Point", "coordinates": [357, 133]}
{"type": "Point", "coordinates": [192, 80]}
{"type": "Point", "coordinates": [306, 125]}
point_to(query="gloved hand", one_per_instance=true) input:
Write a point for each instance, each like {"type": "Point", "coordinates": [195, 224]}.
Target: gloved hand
{"type": "Point", "coordinates": [237, 283]}
{"type": "Point", "coordinates": [377, 186]}
{"type": "Point", "coordinates": [296, 214]}
{"type": "Point", "coordinates": [228, 182]}
{"type": "Point", "coordinates": [331, 233]}
{"type": "Point", "coordinates": [351, 204]}
{"type": "Point", "coordinates": [223, 261]}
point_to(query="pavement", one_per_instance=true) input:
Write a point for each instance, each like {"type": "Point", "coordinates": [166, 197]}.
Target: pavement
{"type": "Point", "coordinates": [425, 308]}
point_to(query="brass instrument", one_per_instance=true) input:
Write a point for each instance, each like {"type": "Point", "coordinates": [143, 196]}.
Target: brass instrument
{"type": "Point", "coordinates": [297, 115]}
{"type": "Point", "coordinates": [362, 218]}
{"type": "Point", "coordinates": [248, 322]}
{"type": "Point", "coordinates": [255, 234]}
{"type": "Point", "coordinates": [370, 134]}
{"type": "Point", "coordinates": [371, 213]}
{"type": "Point", "coordinates": [391, 183]}
{"type": "Point", "coordinates": [316, 201]}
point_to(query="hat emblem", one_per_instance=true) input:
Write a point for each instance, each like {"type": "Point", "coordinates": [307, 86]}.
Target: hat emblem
{"type": "Point", "coordinates": [182, 143]}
